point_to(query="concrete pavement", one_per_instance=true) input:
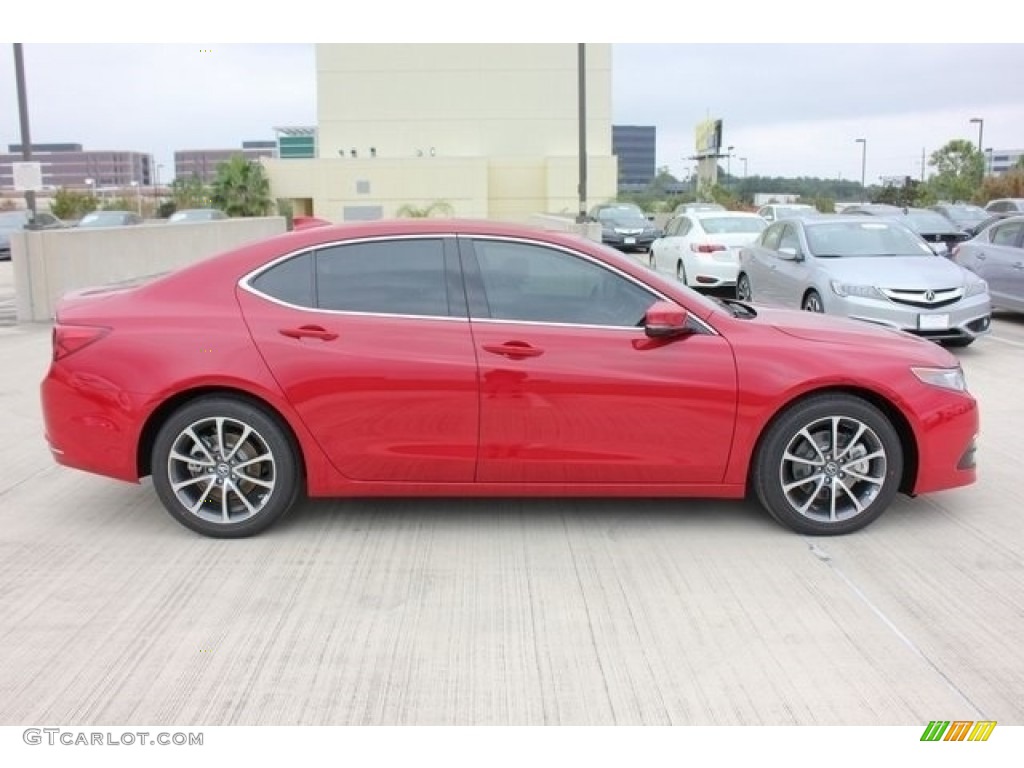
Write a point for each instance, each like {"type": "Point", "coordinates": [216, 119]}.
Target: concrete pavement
{"type": "Point", "coordinates": [507, 611]}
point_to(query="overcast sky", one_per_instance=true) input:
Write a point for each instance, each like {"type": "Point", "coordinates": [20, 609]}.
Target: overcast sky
{"type": "Point", "coordinates": [792, 109]}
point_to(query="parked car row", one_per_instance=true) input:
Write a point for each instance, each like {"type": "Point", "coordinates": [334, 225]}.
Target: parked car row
{"type": "Point", "coordinates": [12, 221]}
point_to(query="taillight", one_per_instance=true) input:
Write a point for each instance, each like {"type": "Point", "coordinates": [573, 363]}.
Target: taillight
{"type": "Point", "coordinates": [68, 339]}
{"type": "Point", "coordinates": [706, 247]}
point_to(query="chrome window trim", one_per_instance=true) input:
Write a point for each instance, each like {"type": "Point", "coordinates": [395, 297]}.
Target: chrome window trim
{"type": "Point", "coordinates": [245, 281]}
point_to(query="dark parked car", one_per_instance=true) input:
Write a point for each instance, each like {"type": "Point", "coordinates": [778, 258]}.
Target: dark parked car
{"type": "Point", "coordinates": [938, 231]}
{"type": "Point", "coordinates": [110, 219]}
{"type": "Point", "coordinates": [624, 226]}
{"type": "Point", "coordinates": [12, 221]}
{"type": "Point", "coordinates": [997, 255]}
{"type": "Point", "coordinates": [191, 215]}
{"type": "Point", "coordinates": [967, 217]}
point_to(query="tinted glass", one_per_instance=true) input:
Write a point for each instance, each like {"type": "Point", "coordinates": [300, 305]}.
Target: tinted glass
{"type": "Point", "coordinates": [290, 281]}
{"type": "Point", "coordinates": [401, 277]}
{"type": "Point", "coordinates": [1007, 234]}
{"type": "Point", "coordinates": [770, 238]}
{"type": "Point", "coordinates": [870, 238]}
{"type": "Point", "coordinates": [13, 220]}
{"type": "Point", "coordinates": [733, 224]}
{"type": "Point", "coordinates": [928, 221]}
{"type": "Point", "coordinates": [790, 239]}
{"type": "Point", "coordinates": [534, 283]}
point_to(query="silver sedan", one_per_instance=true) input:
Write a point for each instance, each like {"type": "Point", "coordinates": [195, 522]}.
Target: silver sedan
{"type": "Point", "coordinates": [874, 270]}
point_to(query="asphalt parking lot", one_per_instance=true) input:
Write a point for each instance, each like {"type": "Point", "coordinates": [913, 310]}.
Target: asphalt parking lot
{"type": "Point", "coordinates": [507, 611]}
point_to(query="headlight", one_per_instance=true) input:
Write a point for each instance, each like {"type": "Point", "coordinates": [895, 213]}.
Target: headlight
{"type": "Point", "coordinates": [863, 291]}
{"type": "Point", "coordinates": [976, 287]}
{"type": "Point", "coordinates": [946, 378]}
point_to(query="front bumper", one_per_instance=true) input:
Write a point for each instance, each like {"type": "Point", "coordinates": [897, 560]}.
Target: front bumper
{"type": "Point", "coordinates": [966, 319]}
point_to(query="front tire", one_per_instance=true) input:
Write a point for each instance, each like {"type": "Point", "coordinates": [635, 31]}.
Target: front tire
{"type": "Point", "coordinates": [743, 291]}
{"type": "Point", "coordinates": [225, 468]}
{"type": "Point", "coordinates": [681, 272]}
{"type": "Point", "coordinates": [830, 464]}
{"type": "Point", "coordinates": [812, 302]}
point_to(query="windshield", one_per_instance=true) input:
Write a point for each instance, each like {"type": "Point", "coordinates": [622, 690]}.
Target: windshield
{"type": "Point", "coordinates": [967, 214]}
{"type": "Point", "coordinates": [928, 221]}
{"type": "Point", "coordinates": [730, 224]}
{"type": "Point", "coordinates": [870, 238]}
{"type": "Point", "coordinates": [625, 216]}
{"type": "Point", "coordinates": [784, 211]}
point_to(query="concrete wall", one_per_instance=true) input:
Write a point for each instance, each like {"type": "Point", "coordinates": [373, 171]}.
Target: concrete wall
{"type": "Point", "coordinates": [50, 263]}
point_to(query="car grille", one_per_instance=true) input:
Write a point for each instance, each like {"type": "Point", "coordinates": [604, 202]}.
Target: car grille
{"type": "Point", "coordinates": [924, 299]}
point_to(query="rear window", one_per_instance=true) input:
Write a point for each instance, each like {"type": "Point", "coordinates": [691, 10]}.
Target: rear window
{"type": "Point", "coordinates": [733, 224]}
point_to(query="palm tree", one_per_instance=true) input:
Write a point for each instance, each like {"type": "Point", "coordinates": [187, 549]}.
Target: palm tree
{"type": "Point", "coordinates": [241, 188]}
{"type": "Point", "coordinates": [438, 207]}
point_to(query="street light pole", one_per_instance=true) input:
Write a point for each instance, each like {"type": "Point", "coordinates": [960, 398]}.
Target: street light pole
{"type": "Point", "coordinates": [26, 140]}
{"type": "Point", "coordinates": [728, 162]}
{"type": "Point", "coordinates": [863, 166]}
{"type": "Point", "coordinates": [981, 130]}
{"type": "Point", "coordinates": [744, 161]}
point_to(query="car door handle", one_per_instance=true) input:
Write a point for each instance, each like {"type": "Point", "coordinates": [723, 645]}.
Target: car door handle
{"type": "Point", "coordinates": [980, 256]}
{"type": "Point", "coordinates": [513, 350]}
{"type": "Point", "coordinates": [309, 332]}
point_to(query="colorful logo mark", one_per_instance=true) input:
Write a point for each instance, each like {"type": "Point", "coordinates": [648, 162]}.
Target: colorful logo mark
{"type": "Point", "coordinates": [958, 730]}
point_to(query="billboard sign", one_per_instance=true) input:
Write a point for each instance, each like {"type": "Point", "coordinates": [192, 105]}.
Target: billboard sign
{"type": "Point", "coordinates": [709, 137]}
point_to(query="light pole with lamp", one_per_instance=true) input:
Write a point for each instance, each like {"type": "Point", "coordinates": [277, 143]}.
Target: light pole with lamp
{"type": "Point", "coordinates": [728, 162]}
{"type": "Point", "coordinates": [981, 130]}
{"type": "Point", "coordinates": [863, 166]}
{"type": "Point", "coordinates": [138, 196]}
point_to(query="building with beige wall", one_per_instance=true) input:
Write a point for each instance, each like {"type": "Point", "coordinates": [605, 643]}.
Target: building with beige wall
{"type": "Point", "coordinates": [490, 129]}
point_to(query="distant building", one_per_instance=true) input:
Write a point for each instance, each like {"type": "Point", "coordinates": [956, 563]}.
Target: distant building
{"type": "Point", "coordinates": [1002, 160]}
{"type": "Point", "coordinates": [492, 130]}
{"type": "Point", "coordinates": [69, 165]}
{"type": "Point", "coordinates": [203, 162]}
{"type": "Point", "coordinates": [635, 146]}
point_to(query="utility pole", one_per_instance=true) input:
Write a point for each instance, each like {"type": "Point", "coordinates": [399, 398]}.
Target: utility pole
{"type": "Point", "coordinates": [26, 140]}
{"type": "Point", "coordinates": [581, 65]}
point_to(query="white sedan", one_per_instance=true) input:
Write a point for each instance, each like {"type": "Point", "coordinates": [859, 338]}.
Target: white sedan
{"type": "Point", "coordinates": [702, 248]}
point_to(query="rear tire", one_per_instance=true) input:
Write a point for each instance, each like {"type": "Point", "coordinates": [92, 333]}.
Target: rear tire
{"type": "Point", "coordinates": [743, 291]}
{"type": "Point", "coordinates": [830, 464]}
{"type": "Point", "coordinates": [225, 468]}
{"type": "Point", "coordinates": [681, 272]}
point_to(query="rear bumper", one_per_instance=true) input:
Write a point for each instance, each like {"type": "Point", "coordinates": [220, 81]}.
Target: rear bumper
{"type": "Point", "coordinates": [91, 425]}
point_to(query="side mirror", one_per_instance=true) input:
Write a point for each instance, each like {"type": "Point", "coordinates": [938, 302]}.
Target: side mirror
{"type": "Point", "coordinates": [790, 254]}
{"type": "Point", "coordinates": [665, 320]}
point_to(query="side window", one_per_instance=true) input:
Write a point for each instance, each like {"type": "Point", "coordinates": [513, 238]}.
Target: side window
{"type": "Point", "coordinates": [771, 237]}
{"type": "Point", "coordinates": [997, 207]}
{"type": "Point", "coordinates": [685, 225]}
{"type": "Point", "coordinates": [289, 281]}
{"type": "Point", "coordinates": [672, 228]}
{"type": "Point", "coordinates": [1007, 234]}
{"type": "Point", "coordinates": [534, 283]}
{"type": "Point", "coordinates": [402, 277]}
{"type": "Point", "coordinates": [790, 239]}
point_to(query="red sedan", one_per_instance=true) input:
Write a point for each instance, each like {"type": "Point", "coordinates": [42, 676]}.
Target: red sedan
{"type": "Point", "coordinates": [430, 357]}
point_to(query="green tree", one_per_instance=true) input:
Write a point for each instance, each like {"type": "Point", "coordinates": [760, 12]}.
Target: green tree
{"type": "Point", "coordinates": [1009, 184]}
{"type": "Point", "coordinates": [71, 204]}
{"type": "Point", "coordinates": [241, 188]}
{"type": "Point", "coordinates": [189, 193]}
{"type": "Point", "coordinates": [438, 208]}
{"type": "Point", "coordinates": [959, 168]}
